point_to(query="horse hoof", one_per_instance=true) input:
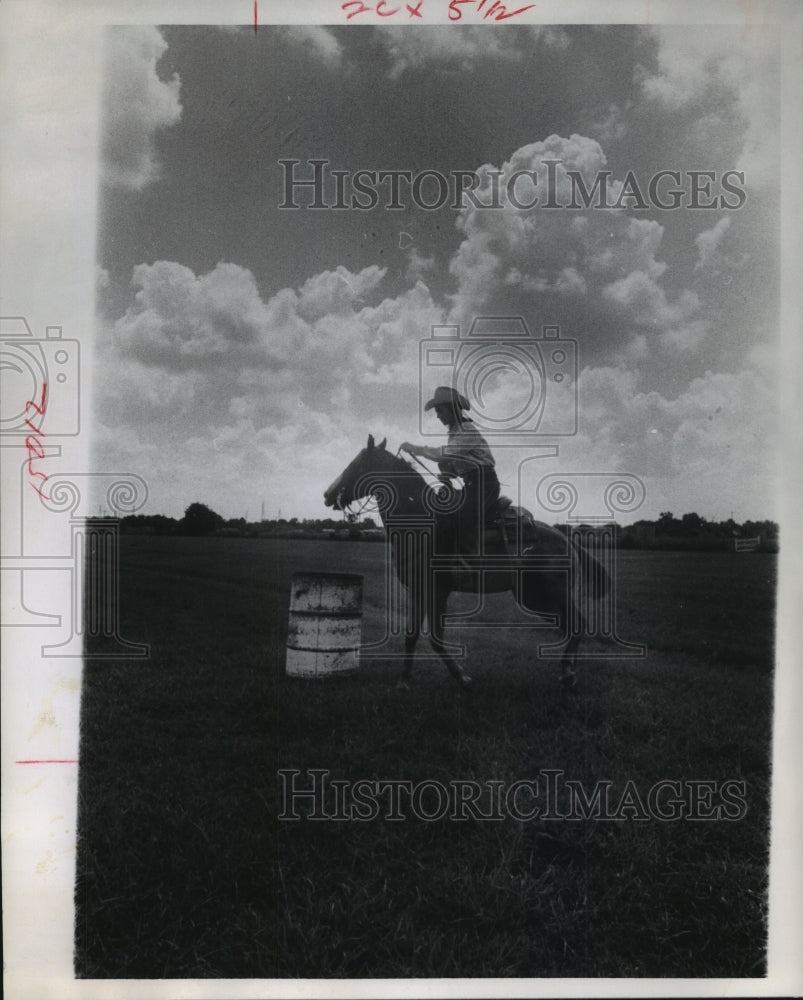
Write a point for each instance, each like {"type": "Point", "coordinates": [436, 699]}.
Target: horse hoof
{"type": "Point", "coordinates": [465, 682]}
{"type": "Point", "coordinates": [569, 680]}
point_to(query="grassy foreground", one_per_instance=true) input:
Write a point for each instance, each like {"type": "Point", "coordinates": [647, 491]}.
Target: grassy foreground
{"type": "Point", "coordinates": [186, 870]}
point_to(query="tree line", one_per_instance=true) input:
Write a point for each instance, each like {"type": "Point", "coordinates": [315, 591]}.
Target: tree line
{"type": "Point", "coordinates": [200, 520]}
{"type": "Point", "coordinates": [690, 530]}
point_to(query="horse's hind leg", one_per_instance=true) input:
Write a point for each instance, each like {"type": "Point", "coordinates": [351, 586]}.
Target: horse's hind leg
{"type": "Point", "coordinates": [545, 593]}
{"type": "Point", "coordinates": [568, 665]}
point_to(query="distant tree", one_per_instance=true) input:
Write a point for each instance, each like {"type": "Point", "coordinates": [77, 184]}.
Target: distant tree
{"type": "Point", "coordinates": [667, 523]}
{"type": "Point", "coordinates": [692, 522]}
{"type": "Point", "coordinates": [200, 520]}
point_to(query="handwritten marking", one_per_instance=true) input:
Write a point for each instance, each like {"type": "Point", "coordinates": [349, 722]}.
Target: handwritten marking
{"type": "Point", "coordinates": [256, 16]}
{"type": "Point", "coordinates": [33, 441]}
{"type": "Point", "coordinates": [45, 761]}
{"type": "Point", "coordinates": [495, 10]}
{"type": "Point", "coordinates": [355, 7]}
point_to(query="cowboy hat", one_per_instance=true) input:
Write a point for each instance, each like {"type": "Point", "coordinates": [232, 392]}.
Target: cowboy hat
{"type": "Point", "coordinates": [444, 396]}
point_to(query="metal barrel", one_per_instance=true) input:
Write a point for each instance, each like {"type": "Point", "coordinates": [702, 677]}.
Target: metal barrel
{"type": "Point", "coordinates": [325, 626]}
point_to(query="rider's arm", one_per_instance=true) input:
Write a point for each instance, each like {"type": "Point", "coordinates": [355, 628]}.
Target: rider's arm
{"type": "Point", "coordinates": [433, 454]}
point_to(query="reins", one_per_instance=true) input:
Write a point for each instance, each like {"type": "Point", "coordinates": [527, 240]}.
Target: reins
{"type": "Point", "coordinates": [369, 504]}
{"type": "Point", "coordinates": [426, 469]}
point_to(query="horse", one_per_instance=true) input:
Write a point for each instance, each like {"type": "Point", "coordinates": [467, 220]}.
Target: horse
{"type": "Point", "coordinates": [408, 506]}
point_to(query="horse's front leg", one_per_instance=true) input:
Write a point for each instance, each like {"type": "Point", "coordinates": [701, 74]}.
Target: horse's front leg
{"type": "Point", "coordinates": [436, 638]}
{"type": "Point", "coordinates": [410, 640]}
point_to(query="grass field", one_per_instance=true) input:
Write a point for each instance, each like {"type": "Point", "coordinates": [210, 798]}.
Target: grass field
{"type": "Point", "coordinates": [186, 870]}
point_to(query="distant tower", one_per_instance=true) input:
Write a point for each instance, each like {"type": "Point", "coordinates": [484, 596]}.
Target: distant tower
{"type": "Point", "coordinates": [262, 518]}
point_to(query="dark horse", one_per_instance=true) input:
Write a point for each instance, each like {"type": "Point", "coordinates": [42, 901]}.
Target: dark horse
{"type": "Point", "coordinates": [544, 570]}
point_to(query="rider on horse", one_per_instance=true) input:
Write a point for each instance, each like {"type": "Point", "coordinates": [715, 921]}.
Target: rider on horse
{"type": "Point", "coordinates": [468, 456]}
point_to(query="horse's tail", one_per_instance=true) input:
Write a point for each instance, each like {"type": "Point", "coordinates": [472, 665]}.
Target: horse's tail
{"type": "Point", "coordinates": [595, 577]}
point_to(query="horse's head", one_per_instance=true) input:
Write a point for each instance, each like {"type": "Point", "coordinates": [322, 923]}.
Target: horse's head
{"type": "Point", "coordinates": [352, 483]}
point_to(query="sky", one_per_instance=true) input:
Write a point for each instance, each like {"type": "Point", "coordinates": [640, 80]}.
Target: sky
{"type": "Point", "coordinates": [238, 354]}
{"type": "Point", "coordinates": [245, 350]}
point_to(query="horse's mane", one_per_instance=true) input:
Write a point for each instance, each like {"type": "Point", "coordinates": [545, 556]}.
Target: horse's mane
{"type": "Point", "coordinates": [403, 477]}
{"type": "Point", "coordinates": [402, 465]}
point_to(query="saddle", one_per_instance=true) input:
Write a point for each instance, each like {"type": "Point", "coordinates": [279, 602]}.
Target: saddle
{"type": "Point", "coordinates": [507, 523]}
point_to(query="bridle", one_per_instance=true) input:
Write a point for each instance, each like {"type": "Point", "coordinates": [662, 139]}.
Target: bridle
{"type": "Point", "coordinates": [369, 503]}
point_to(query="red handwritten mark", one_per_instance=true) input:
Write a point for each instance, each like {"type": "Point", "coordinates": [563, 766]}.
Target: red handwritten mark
{"type": "Point", "coordinates": [33, 443]}
{"type": "Point", "coordinates": [256, 16]}
{"type": "Point", "coordinates": [503, 14]}
{"type": "Point", "coordinates": [497, 11]}
{"type": "Point", "coordinates": [361, 8]}
{"type": "Point", "coordinates": [39, 407]}
{"type": "Point", "coordinates": [45, 761]}
{"type": "Point", "coordinates": [354, 7]}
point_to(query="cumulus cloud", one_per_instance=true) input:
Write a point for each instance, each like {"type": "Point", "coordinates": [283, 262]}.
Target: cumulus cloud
{"type": "Point", "coordinates": [611, 125]}
{"type": "Point", "coordinates": [461, 47]}
{"type": "Point", "coordinates": [137, 103]}
{"type": "Point", "coordinates": [418, 265]}
{"type": "Point", "coordinates": [712, 258]}
{"type": "Point", "coordinates": [708, 242]}
{"type": "Point", "coordinates": [448, 47]}
{"type": "Point", "coordinates": [441, 46]}
{"type": "Point", "coordinates": [223, 385]}
{"type": "Point", "coordinates": [645, 303]}
{"type": "Point", "coordinates": [320, 42]}
{"type": "Point", "coordinates": [180, 321]}
{"type": "Point", "coordinates": [720, 418]}
{"type": "Point", "coordinates": [598, 270]}
{"type": "Point", "coordinates": [215, 386]}
{"type": "Point", "coordinates": [729, 75]}
{"type": "Point", "coordinates": [709, 448]}
{"type": "Point", "coordinates": [223, 391]}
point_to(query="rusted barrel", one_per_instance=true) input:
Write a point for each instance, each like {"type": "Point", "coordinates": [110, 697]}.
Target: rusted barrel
{"type": "Point", "coordinates": [325, 626]}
